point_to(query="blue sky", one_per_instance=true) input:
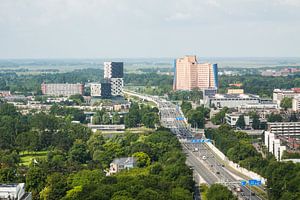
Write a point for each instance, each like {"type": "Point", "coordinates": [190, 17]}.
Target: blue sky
{"type": "Point", "coordinates": [149, 28]}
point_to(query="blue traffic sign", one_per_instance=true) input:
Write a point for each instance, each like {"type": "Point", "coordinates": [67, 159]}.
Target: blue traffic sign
{"type": "Point", "coordinates": [254, 182]}
{"type": "Point", "coordinates": [179, 118]}
{"type": "Point", "coordinates": [200, 141]}
{"type": "Point", "coordinates": [243, 183]}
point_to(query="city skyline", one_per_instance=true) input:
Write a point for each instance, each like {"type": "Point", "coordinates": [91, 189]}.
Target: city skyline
{"type": "Point", "coordinates": [127, 29]}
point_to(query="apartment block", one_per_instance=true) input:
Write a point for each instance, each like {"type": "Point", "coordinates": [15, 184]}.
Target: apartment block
{"type": "Point", "coordinates": [62, 89]}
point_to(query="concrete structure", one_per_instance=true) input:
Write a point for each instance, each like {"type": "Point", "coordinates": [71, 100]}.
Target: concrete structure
{"type": "Point", "coordinates": [261, 109]}
{"type": "Point", "coordinates": [116, 86]}
{"type": "Point", "coordinates": [235, 91]}
{"type": "Point", "coordinates": [113, 70]}
{"type": "Point", "coordinates": [62, 89]}
{"type": "Point", "coordinates": [273, 144]}
{"type": "Point", "coordinates": [119, 164]}
{"type": "Point", "coordinates": [284, 128]}
{"type": "Point", "coordinates": [190, 74]}
{"type": "Point", "coordinates": [14, 192]}
{"type": "Point", "coordinates": [95, 89]}
{"type": "Point", "coordinates": [231, 100]}
{"type": "Point", "coordinates": [209, 92]}
{"type": "Point", "coordinates": [296, 103]}
{"type": "Point", "coordinates": [232, 118]}
{"type": "Point", "coordinates": [104, 127]}
{"type": "Point", "coordinates": [279, 94]}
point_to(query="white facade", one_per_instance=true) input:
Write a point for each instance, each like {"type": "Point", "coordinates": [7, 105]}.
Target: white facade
{"type": "Point", "coordinates": [231, 100]}
{"type": "Point", "coordinates": [14, 191]}
{"type": "Point", "coordinates": [62, 89]}
{"type": "Point", "coordinates": [95, 89]}
{"type": "Point", "coordinates": [296, 103]}
{"type": "Point", "coordinates": [284, 128]}
{"type": "Point", "coordinates": [232, 118]}
{"type": "Point", "coordinates": [274, 145]}
{"type": "Point", "coordinates": [279, 94]}
{"type": "Point", "coordinates": [116, 86]}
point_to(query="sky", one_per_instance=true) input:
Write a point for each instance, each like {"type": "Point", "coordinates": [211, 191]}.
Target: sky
{"type": "Point", "coordinates": [149, 28]}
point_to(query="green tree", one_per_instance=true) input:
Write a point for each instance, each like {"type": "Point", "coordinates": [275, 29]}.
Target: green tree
{"type": "Point", "coordinates": [286, 103]}
{"type": "Point", "coordinates": [106, 118]}
{"type": "Point", "coordinates": [79, 152]}
{"type": "Point", "coordinates": [56, 187]}
{"type": "Point", "coordinates": [186, 106]}
{"type": "Point", "coordinates": [149, 119]}
{"type": "Point", "coordinates": [77, 99]}
{"type": "Point", "coordinates": [219, 192]}
{"type": "Point", "coordinates": [274, 117]}
{"type": "Point", "coordinates": [116, 118]}
{"type": "Point", "coordinates": [142, 159]}
{"type": "Point", "coordinates": [240, 123]}
{"type": "Point", "coordinates": [255, 122]}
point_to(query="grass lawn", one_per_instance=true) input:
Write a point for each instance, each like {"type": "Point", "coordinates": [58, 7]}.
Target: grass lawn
{"type": "Point", "coordinates": [28, 156]}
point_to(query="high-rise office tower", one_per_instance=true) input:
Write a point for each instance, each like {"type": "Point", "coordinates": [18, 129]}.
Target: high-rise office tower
{"type": "Point", "coordinates": [113, 71]}
{"type": "Point", "coordinates": [190, 74]}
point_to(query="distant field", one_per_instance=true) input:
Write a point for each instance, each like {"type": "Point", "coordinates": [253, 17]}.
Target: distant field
{"type": "Point", "coordinates": [28, 156]}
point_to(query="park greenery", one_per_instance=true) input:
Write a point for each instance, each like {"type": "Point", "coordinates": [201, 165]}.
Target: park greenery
{"type": "Point", "coordinates": [142, 115]}
{"type": "Point", "coordinates": [196, 117]}
{"type": "Point", "coordinates": [282, 177]}
{"type": "Point", "coordinates": [73, 160]}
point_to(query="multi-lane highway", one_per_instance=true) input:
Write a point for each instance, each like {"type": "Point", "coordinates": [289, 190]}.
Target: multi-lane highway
{"type": "Point", "coordinates": [207, 166]}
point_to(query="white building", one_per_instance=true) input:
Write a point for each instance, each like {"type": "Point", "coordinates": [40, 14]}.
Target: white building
{"type": "Point", "coordinates": [62, 89]}
{"type": "Point", "coordinates": [119, 164]}
{"type": "Point", "coordinates": [262, 109]}
{"type": "Point", "coordinates": [273, 145]}
{"type": "Point", "coordinates": [232, 118]}
{"type": "Point", "coordinates": [231, 100]}
{"type": "Point", "coordinates": [296, 103]}
{"type": "Point", "coordinates": [279, 94]}
{"type": "Point", "coordinates": [14, 192]}
{"type": "Point", "coordinates": [95, 89]}
{"type": "Point", "coordinates": [284, 128]}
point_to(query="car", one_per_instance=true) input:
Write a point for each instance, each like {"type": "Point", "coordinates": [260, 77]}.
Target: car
{"type": "Point", "coordinates": [217, 172]}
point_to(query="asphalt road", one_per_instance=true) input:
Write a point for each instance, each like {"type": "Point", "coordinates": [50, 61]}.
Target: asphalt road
{"type": "Point", "coordinates": [210, 168]}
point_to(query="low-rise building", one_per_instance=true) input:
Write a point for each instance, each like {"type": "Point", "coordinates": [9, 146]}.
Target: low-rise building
{"type": "Point", "coordinates": [119, 164]}
{"type": "Point", "coordinates": [107, 127]}
{"type": "Point", "coordinates": [231, 100]}
{"type": "Point", "coordinates": [284, 128]}
{"type": "Point", "coordinates": [232, 118]}
{"type": "Point", "coordinates": [95, 89]}
{"type": "Point", "coordinates": [62, 89]}
{"type": "Point", "coordinates": [261, 109]}
{"type": "Point", "coordinates": [14, 192]}
{"type": "Point", "coordinates": [279, 94]}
